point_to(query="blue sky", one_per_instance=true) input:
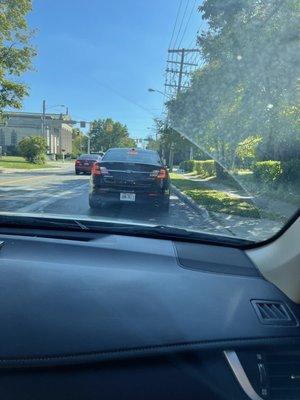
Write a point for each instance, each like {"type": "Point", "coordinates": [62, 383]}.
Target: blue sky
{"type": "Point", "coordinates": [100, 57]}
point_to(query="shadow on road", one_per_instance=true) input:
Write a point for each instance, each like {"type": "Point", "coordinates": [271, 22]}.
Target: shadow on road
{"type": "Point", "coordinates": [129, 212]}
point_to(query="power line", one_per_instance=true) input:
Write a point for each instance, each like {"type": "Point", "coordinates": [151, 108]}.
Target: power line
{"type": "Point", "coordinates": [181, 25]}
{"type": "Point", "coordinates": [188, 22]}
{"type": "Point", "coordinates": [192, 60]}
{"type": "Point", "coordinates": [173, 33]}
{"type": "Point", "coordinates": [182, 20]}
{"type": "Point", "coordinates": [175, 24]}
{"type": "Point", "coordinates": [179, 73]}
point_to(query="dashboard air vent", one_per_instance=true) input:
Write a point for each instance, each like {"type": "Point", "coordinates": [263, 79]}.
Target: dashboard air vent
{"type": "Point", "coordinates": [273, 313]}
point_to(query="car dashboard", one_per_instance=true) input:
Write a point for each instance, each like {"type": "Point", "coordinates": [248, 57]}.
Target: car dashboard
{"type": "Point", "coordinates": [89, 316]}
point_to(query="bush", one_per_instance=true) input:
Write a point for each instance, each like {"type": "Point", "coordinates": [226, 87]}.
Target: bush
{"type": "Point", "coordinates": [205, 169]}
{"type": "Point", "coordinates": [187, 166]}
{"type": "Point", "coordinates": [221, 172]}
{"type": "Point", "coordinates": [291, 171]}
{"type": "Point", "coordinates": [33, 149]}
{"type": "Point", "coordinates": [268, 172]}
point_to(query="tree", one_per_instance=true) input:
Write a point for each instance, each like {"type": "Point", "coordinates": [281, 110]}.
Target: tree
{"type": "Point", "coordinates": [169, 138]}
{"type": "Point", "coordinates": [247, 150]}
{"type": "Point", "coordinates": [15, 51]}
{"type": "Point", "coordinates": [153, 144]}
{"type": "Point", "coordinates": [248, 85]}
{"type": "Point", "coordinates": [33, 149]}
{"type": "Point", "coordinates": [79, 142]}
{"type": "Point", "coordinates": [106, 133]}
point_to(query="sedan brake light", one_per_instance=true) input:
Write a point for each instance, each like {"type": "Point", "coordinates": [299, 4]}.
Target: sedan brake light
{"type": "Point", "coordinates": [97, 169]}
{"type": "Point", "coordinates": [77, 162]}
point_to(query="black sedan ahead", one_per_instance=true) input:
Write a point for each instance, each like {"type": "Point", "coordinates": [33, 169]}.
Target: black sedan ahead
{"type": "Point", "coordinates": [85, 162]}
{"type": "Point", "coordinates": [130, 176]}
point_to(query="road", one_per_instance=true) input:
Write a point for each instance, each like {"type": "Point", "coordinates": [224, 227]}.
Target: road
{"type": "Point", "coordinates": [60, 191]}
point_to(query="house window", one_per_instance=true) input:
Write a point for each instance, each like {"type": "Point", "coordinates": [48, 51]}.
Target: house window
{"type": "Point", "coordinates": [14, 138]}
{"type": "Point", "coordinates": [56, 130]}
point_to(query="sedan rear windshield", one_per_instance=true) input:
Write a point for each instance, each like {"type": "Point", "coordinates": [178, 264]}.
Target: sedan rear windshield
{"type": "Point", "coordinates": [132, 156]}
{"type": "Point", "coordinates": [88, 157]}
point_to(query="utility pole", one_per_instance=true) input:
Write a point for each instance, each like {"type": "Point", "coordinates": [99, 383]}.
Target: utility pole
{"type": "Point", "coordinates": [179, 86]}
{"type": "Point", "coordinates": [89, 145]}
{"type": "Point", "coordinates": [182, 64]}
{"type": "Point", "coordinates": [181, 71]}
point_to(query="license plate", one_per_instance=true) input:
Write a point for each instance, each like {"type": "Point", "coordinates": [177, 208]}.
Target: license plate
{"type": "Point", "coordinates": [127, 196]}
{"type": "Point", "coordinates": [86, 164]}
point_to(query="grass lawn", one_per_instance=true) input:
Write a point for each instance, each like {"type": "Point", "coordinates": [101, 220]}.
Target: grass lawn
{"type": "Point", "coordinates": [20, 163]}
{"type": "Point", "coordinates": [214, 200]}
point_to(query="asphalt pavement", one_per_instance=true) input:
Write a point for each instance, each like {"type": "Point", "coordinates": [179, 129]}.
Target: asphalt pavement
{"type": "Point", "coordinates": [59, 191]}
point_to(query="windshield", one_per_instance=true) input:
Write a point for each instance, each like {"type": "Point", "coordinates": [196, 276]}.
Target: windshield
{"type": "Point", "coordinates": [194, 104]}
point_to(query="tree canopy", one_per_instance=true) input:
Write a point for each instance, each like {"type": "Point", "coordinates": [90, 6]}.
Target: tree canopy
{"type": "Point", "coordinates": [106, 133]}
{"type": "Point", "coordinates": [248, 86]}
{"type": "Point", "coordinates": [15, 51]}
{"type": "Point", "coordinates": [79, 142]}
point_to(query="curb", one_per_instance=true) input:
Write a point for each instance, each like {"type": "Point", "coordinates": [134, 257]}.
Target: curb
{"type": "Point", "coordinates": [210, 217]}
{"type": "Point", "coordinates": [17, 170]}
{"type": "Point", "coordinates": [13, 171]}
{"type": "Point", "coordinates": [191, 202]}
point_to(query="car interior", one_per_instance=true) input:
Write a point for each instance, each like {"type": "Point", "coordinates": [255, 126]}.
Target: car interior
{"type": "Point", "coordinates": [88, 315]}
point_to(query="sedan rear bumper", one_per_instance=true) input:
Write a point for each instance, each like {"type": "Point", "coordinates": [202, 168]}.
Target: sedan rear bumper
{"type": "Point", "coordinates": [82, 168]}
{"type": "Point", "coordinates": [106, 196]}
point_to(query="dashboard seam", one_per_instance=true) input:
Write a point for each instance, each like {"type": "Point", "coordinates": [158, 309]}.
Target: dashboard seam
{"type": "Point", "coordinates": [146, 348]}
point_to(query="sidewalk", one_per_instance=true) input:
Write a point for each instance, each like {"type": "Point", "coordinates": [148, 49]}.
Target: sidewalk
{"type": "Point", "coordinates": [238, 193]}
{"type": "Point", "coordinates": [283, 209]}
{"type": "Point", "coordinates": [256, 229]}
{"type": "Point", "coordinates": [54, 165]}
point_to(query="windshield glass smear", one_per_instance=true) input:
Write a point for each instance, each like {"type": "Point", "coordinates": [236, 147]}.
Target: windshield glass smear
{"type": "Point", "coordinates": [181, 117]}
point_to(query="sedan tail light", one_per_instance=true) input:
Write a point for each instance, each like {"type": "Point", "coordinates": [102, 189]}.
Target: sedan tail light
{"type": "Point", "coordinates": [77, 162]}
{"type": "Point", "coordinates": [97, 169]}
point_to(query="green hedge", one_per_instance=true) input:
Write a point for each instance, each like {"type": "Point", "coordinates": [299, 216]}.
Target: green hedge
{"type": "Point", "coordinates": [291, 171]}
{"type": "Point", "coordinates": [203, 168]}
{"type": "Point", "coordinates": [187, 166]}
{"type": "Point", "coordinates": [268, 172]}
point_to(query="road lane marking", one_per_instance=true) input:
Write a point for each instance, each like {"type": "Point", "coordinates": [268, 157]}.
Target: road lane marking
{"type": "Point", "coordinates": [48, 201]}
{"type": "Point", "coordinates": [24, 179]}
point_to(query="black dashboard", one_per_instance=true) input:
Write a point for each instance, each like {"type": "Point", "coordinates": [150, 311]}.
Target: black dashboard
{"type": "Point", "coordinates": [120, 317]}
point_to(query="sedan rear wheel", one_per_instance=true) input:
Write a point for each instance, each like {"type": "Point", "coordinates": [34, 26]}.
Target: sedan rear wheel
{"type": "Point", "coordinates": [94, 204]}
